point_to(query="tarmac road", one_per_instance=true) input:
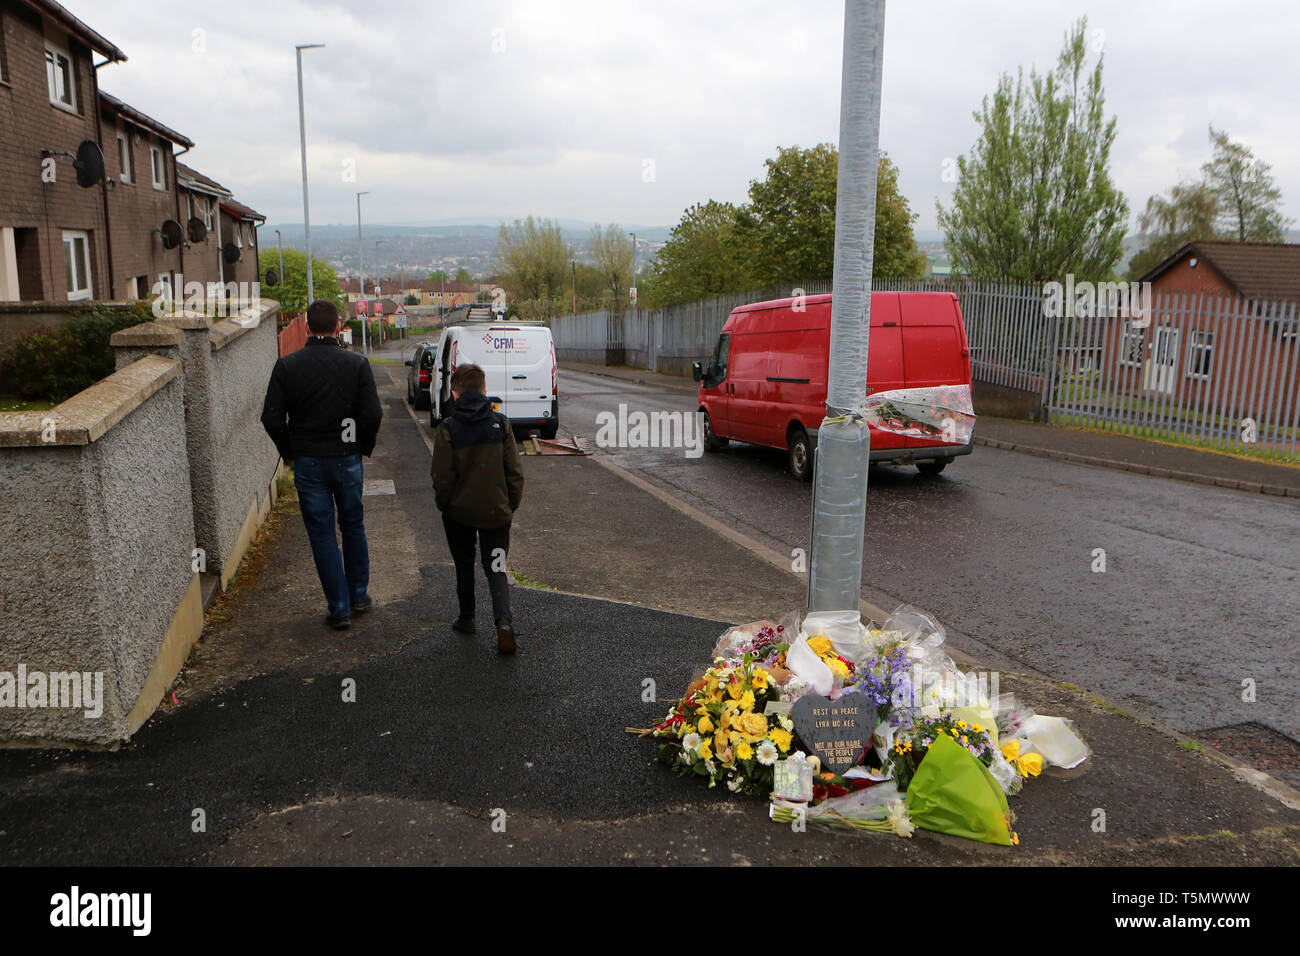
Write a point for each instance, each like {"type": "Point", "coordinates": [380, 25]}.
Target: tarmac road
{"type": "Point", "coordinates": [1200, 591]}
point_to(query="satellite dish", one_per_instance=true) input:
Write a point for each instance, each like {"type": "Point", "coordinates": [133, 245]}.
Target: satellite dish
{"type": "Point", "coordinates": [272, 278]}
{"type": "Point", "coordinates": [89, 163]}
{"type": "Point", "coordinates": [231, 252]}
{"type": "Point", "coordinates": [197, 229]}
{"type": "Point", "coordinates": [172, 234]}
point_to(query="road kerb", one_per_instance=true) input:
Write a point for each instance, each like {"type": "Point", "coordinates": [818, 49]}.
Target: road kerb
{"type": "Point", "coordinates": [1151, 470]}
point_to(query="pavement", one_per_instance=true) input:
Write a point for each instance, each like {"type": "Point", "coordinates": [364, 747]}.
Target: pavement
{"type": "Point", "coordinates": [400, 742]}
{"type": "Point", "coordinates": [1089, 447]}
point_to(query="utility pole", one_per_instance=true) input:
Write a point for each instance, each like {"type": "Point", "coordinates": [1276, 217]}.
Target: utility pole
{"type": "Point", "coordinates": [574, 263]}
{"type": "Point", "coordinates": [361, 274]}
{"type": "Point", "coordinates": [843, 444]}
{"type": "Point", "coordinates": [302, 136]}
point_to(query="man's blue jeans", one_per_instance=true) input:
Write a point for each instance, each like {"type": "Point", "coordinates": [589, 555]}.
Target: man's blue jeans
{"type": "Point", "coordinates": [323, 483]}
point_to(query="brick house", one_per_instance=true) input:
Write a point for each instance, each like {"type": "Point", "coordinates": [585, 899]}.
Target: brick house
{"type": "Point", "coordinates": [54, 242]}
{"type": "Point", "coordinates": [1222, 337]}
{"type": "Point", "coordinates": [61, 242]}
{"type": "Point", "coordinates": [140, 159]}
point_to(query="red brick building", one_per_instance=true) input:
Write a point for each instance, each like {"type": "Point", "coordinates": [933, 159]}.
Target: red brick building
{"type": "Point", "coordinates": [53, 232]}
{"type": "Point", "coordinates": [1220, 343]}
{"type": "Point", "coordinates": [63, 242]}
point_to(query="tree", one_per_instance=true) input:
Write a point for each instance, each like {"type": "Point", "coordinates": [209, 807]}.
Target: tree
{"type": "Point", "coordinates": [1235, 201]}
{"type": "Point", "coordinates": [291, 291]}
{"type": "Point", "coordinates": [1244, 188]}
{"type": "Point", "coordinates": [534, 260]}
{"type": "Point", "coordinates": [787, 230]}
{"type": "Point", "coordinates": [1035, 201]}
{"type": "Point", "coordinates": [702, 258]}
{"type": "Point", "coordinates": [611, 254]}
{"type": "Point", "coordinates": [1188, 213]}
{"type": "Point", "coordinates": [463, 276]}
{"type": "Point", "coordinates": [439, 275]}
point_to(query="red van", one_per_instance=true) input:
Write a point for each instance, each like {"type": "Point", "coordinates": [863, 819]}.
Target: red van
{"type": "Point", "coordinates": [766, 382]}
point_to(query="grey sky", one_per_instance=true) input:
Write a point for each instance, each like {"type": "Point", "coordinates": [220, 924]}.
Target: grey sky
{"type": "Point", "coordinates": [506, 107]}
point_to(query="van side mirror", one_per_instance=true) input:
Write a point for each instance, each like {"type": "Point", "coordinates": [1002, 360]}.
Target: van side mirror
{"type": "Point", "coordinates": [409, 362]}
{"type": "Point", "coordinates": [697, 371]}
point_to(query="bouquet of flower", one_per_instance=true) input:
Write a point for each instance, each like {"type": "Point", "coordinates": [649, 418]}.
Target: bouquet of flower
{"type": "Point", "coordinates": [911, 745]}
{"type": "Point", "coordinates": [719, 729]}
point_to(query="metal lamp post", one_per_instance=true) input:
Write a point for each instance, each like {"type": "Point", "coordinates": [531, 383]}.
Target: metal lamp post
{"type": "Point", "coordinates": [302, 136]}
{"type": "Point", "coordinates": [279, 244]}
{"type": "Point", "coordinates": [843, 444]}
{"type": "Point", "coordinates": [361, 272]}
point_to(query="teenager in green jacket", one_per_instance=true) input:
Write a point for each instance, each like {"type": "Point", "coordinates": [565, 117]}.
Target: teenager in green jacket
{"type": "Point", "coordinates": [478, 482]}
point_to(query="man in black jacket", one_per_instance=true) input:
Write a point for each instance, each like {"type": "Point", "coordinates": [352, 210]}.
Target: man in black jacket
{"type": "Point", "coordinates": [477, 484]}
{"type": "Point", "coordinates": [329, 397]}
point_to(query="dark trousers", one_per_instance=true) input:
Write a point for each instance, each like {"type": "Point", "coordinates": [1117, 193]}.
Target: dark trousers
{"type": "Point", "coordinates": [494, 545]}
{"type": "Point", "coordinates": [323, 483]}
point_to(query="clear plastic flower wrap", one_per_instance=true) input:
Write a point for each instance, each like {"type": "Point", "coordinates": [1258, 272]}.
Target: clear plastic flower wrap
{"type": "Point", "coordinates": [879, 807]}
{"type": "Point", "coordinates": [937, 413]}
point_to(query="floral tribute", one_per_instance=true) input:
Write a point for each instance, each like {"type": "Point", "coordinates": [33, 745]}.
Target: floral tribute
{"type": "Point", "coordinates": [946, 751]}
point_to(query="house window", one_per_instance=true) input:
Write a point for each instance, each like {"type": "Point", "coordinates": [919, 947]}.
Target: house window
{"type": "Point", "coordinates": [76, 257]}
{"type": "Point", "coordinates": [124, 156]}
{"type": "Point", "coordinates": [205, 204]}
{"type": "Point", "coordinates": [159, 166]}
{"type": "Point", "coordinates": [1201, 355]}
{"type": "Point", "coordinates": [239, 235]}
{"type": "Point", "coordinates": [1132, 345]}
{"type": "Point", "coordinates": [60, 77]}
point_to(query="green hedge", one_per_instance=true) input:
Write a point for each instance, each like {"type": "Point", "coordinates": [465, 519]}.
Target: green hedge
{"type": "Point", "coordinates": [55, 364]}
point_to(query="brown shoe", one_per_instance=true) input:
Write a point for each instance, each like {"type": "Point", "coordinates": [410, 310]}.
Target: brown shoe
{"type": "Point", "coordinates": [505, 640]}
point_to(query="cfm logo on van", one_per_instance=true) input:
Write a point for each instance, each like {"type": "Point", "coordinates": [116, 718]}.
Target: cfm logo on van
{"type": "Point", "coordinates": [493, 342]}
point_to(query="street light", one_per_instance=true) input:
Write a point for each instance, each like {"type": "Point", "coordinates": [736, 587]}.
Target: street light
{"type": "Point", "coordinates": [361, 270]}
{"type": "Point", "coordinates": [302, 136]}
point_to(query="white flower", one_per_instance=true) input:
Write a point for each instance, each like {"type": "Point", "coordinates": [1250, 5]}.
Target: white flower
{"type": "Point", "coordinates": [691, 742]}
{"type": "Point", "coordinates": [711, 767]}
{"type": "Point", "coordinates": [899, 820]}
{"type": "Point", "coordinates": [787, 723]}
{"type": "Point", "coordinates": [766, 753]}
{"type": "Point", "coordinates": [734, 785]}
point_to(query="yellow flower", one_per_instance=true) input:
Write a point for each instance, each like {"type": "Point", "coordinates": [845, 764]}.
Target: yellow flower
{"type": "Point", "coordinates": [781, 738]}
{"type": "Point", "coordinates": [734, 690]}
{"type": "Point", "coordinates": [962, 724]}
{"type": "Point", "coordinates": [821, 644]}
{"type": "Point", "coordinates": [761, 678]}
{"type": "Point", "coordinates": [977, 728]}
{"type": "Point", "coordinates": [1029, 765]}
{"type": "Point", "coordinates": [746, 699]}
{"type": "Point", "coordinates": [744, 751]}
{"type": "Point", "coordinates": [705, 752]}
{"type": "Point", "coordinates": [754, 724]}
{"type": "Point", "coordinates": [837, 666]}
{"type": "Point", "coordinates": [705, 723]}
{"type": "Point", "coordinates": [963, 736]}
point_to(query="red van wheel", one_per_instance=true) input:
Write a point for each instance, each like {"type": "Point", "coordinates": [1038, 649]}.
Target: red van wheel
{"type": "Point", "coordinates": [799, 461]}
{"type": "Point", "coordinates": [711, 441]}
{"type": "Point", "coordinates": [932, 467]}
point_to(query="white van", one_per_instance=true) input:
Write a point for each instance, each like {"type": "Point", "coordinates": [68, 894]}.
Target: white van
{"type": "Point", "coordinates": [518, 359]}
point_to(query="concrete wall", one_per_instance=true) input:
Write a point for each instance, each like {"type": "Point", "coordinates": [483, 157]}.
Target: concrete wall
{"type": "Point", "coordinates": [96, 541]}
{"type": "Point", "coordinates": [232, 462]}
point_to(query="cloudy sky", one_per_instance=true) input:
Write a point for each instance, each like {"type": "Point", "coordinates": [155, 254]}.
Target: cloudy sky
{"type": "Point", "coordinates": [630, 112]}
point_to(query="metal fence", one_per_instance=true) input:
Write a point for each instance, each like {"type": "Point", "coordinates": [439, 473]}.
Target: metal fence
{"type": "Point", "coordinates": [1222, 373]}
{"type": "Point", "coordinates": [1216, 372]}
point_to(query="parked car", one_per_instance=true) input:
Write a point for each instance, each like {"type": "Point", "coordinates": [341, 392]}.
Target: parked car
{"type": "Point", "coordinates": [518, 360]}
{"type": "Point", "coordinates": [420, 375]}
{"type": "Point", "coordinates": [766, 382]}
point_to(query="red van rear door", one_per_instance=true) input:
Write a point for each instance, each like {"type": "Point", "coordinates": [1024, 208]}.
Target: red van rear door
{"type": "Point", "coordinates": [885, 357]}
{"type": "Point", "coordinates": [934, 344]}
